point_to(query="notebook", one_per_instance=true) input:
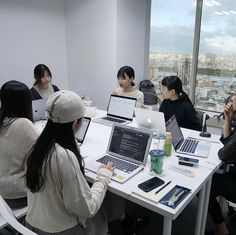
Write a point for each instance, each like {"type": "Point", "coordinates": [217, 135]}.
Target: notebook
{"type": "Point", "coordinates": [183, 145]}
{"type": "Point", "coordinates": [80, 136]}
{"type": "Point", "coordinates": [120, 110]}
{"type": "Point", "coordinates": [39, 109]}
{"type": "Point", "coordinates": [153, 120]}
{"type": "Point", "coordinates": [128, 149]}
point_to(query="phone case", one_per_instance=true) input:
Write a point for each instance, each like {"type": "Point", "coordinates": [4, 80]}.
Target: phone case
{"type": "Point", "coordinates": [175, 196]}
{"type": "Point", "coordinates": [151, 184]}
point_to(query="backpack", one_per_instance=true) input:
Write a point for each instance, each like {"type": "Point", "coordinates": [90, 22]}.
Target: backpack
{"type": "Point", "coordinates": [147, 87]}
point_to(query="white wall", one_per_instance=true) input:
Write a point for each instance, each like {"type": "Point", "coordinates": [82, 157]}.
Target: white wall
{"type": "Point", "coordinates": [103, 35]}
{"type": "Point", "coordinates": [32, 32]}
{"type": "Point", "coordinates": [133, 30]}
{"type": "Point", "coordinates": [91, 46]}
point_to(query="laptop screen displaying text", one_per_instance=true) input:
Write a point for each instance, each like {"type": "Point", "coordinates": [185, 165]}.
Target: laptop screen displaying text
{"type": "Point", "coordinates": [129, 143]}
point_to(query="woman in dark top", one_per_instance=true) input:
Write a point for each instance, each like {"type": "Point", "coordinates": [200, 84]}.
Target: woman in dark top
{"type": "Point", "coordinates": [224, 184]}
{"type": "Point", "coordinates": [176, 102]}
{"type": "Point", "coordinates": [42, 88]}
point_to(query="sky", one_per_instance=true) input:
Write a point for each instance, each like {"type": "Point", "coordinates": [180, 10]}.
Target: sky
{"type": "Point", "coordinates": [172, 26]}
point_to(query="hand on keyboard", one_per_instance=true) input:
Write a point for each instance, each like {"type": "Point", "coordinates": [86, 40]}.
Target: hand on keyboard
{"type": "Point", "coordinates": [108, 166]}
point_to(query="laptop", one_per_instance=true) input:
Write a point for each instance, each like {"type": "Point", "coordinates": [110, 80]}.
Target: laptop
{"type": "Point", "coordinates": [80, 135]}
{"type": "Point", "coordinates": [152, 120]}
{"type": "Point", "coordinates": [120, 110]}
{"type": "Point", "coordinates": [128, 149]}
{"type": "Point", "coordinates": [39, 109]}
{"type": "Point", "coordinates": [189, 145]}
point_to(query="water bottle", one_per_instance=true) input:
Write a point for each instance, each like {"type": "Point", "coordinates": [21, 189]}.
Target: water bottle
{"type": "Point", "coordinates": [168, 144]}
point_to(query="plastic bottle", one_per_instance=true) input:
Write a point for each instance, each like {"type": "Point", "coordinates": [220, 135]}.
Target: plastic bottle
{"type": "Point", "coordinates": [168, 144]}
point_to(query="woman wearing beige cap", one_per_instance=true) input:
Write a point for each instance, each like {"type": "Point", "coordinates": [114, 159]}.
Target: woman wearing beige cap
{"type": "Point", "coordinates": [60, 201]}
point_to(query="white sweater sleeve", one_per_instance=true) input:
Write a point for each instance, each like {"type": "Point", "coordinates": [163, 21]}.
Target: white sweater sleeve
{"type": "Point", "coordinates": [78, 197]}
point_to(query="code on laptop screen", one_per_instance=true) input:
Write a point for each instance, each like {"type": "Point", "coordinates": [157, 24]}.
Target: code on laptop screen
{"type": "Point", "coordinates": [129, 143]}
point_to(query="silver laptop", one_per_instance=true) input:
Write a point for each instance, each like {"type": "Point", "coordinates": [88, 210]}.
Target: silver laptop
{"type": "Point", "coordinates": [152, 120]}
{"type": "Point", "coordinates": [183, 145]}
{"type": "Point", "coordinates": [80, 136]}
{"type": "Point", "coordinates": [120, 110]}
{"type": "Point", "coordinates": [127, 149]}
{"type": "Point", "coordinates": [39, 109]}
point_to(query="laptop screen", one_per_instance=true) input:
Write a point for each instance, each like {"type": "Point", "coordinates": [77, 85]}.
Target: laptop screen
{"type": "Point", "coordinates": [130, 143]}
{"type": "Point", "coordinates": [80, 136]}
{"type": "Point", "coordinates": [121, 106]}
{"type": "Point", "coordinates": [173, 127]}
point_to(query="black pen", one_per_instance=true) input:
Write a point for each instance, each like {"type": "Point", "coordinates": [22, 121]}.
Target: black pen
{"type": "Point", "coordinates": [162, 187]}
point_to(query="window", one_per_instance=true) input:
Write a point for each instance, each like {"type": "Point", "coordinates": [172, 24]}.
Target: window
{"type": "Point", "coordinates": [216, 74]}
{"type": "Point", "coordinates": [171, 40]}
{"type": "Point", "coordinates": [171, 46]}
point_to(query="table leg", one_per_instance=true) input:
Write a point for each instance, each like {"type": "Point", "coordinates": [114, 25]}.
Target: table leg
{"type": "Point", "coordinates": [205, 208]}
{"type": "Point", "coordinates": [200, 210]}
{"type": "Point", "coordinates": [167, 226]}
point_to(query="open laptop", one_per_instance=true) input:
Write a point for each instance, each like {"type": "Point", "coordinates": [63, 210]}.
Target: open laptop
{"type": "Point", "coordinates": [152, 120]}
{"type": "Point", "coordinates": [39, 109]}
{"type": "Point", "coordinates": [183, 145]}
{"type": "Point", "coordinates": [120, 110]}
{"type": "Point", "coordinates": [127, 149]}
{"type": "Point", "coordinates": [80, 136]}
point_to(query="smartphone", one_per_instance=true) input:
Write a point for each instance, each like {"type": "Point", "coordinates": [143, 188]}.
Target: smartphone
{"type": "Point", "coordinates": [189, 160]}
{"type": "Point", "coordinates": [150, 184]}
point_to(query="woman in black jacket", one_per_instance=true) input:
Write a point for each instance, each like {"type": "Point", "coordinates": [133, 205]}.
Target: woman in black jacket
{"type": "Point", "coordinates": [224, 184]}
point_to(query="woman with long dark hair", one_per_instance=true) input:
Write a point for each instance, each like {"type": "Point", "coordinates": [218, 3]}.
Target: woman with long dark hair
{"type": "Point", "coordinates": [176, 102]}
{"type": "Point", "coordinates": [60, 200]}
{"type": "Point", "coordinates": [42, 87]}
{"type": "Point", "coordinates": [17, 135]}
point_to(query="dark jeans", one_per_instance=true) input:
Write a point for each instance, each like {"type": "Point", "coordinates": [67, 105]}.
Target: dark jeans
{"type": "Point", "coordinates": [222, 185]}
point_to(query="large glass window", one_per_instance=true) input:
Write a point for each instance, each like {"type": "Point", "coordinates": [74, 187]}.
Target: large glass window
{"type": "Point", "coordinates": [216, 74]}
{"type": "Point", "coordinates": [171, 46]}
{"type": "Point", "coordinates": [171, 40]}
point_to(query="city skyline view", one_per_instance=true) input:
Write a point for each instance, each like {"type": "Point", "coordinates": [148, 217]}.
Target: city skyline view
{"type": "Point", "coordinates": [171, 46]}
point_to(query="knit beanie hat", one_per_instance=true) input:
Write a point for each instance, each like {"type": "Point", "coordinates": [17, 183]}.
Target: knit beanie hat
{"type": "Point", "coordinates": [64, 106]}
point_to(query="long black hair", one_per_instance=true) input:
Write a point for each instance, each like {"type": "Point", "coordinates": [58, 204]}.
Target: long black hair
{"type": "Point", "coordinates": [39, 71]}
{"type": "Point", "coordinates": [16, 101]}
{"type": "Point", "coordinates": [174, 82]}
{"type": "Point", "coordinates": [40, 157]}
{"type": "Point", "coordinates": [129, 71]}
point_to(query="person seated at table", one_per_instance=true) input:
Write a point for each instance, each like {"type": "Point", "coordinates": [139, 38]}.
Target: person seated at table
{"type": "Point", "coordinates": [17, 135]}
{"type": "Point", "coordinates": [42, 87]}
{"type": "Point", "coordinates": [125, 77]}
{"type": "Point", "coordinates": [176, 102]}
{"type": "Point", "coordinates": [224, 184]}
{"type": "Point", "coordinates": [60, 200]}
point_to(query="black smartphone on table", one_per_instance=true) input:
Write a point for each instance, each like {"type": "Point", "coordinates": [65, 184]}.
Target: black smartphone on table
{"type": "Point", "coordinates": [151, 184]}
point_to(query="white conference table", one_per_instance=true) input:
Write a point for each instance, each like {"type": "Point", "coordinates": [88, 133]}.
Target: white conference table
{"type": "Point", "coordinates": [95, 145]}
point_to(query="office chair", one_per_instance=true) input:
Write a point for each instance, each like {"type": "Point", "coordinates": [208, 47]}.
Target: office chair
{"type": "Point", "coordinates": [9, 216]}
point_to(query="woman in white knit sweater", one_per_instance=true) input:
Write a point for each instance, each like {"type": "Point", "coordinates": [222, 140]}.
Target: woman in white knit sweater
{"type": "Point", "coordinates": [17, 135]}
{"type": "Point", "coordinates": [125, 77]}
{"type": "Point", "coordinates": [60, 201]}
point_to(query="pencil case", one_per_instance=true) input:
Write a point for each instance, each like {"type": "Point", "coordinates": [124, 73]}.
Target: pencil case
{"type": "Point", "coordinates": [175, 196]}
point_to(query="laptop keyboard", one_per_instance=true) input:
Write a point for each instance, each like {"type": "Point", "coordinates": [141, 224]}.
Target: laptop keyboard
{"type": "Point", "coordinates": [113, 119]}
{"type": "Point", "coordinates": [189, 146]}
{"type": "Point", "coordinates": [119, 164]}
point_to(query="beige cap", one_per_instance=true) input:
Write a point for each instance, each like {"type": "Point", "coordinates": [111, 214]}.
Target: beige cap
{"type": "Point", "coordinates": [64, 106]}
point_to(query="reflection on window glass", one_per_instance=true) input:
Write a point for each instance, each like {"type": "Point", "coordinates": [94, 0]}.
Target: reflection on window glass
{"type": "Point", "coordinates": [216, 76]}
{"type": "Point", "coordinates": [171, 40]}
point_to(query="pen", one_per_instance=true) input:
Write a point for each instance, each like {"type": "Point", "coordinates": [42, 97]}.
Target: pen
{"type": "Point", "coordinates": [162, 187]}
